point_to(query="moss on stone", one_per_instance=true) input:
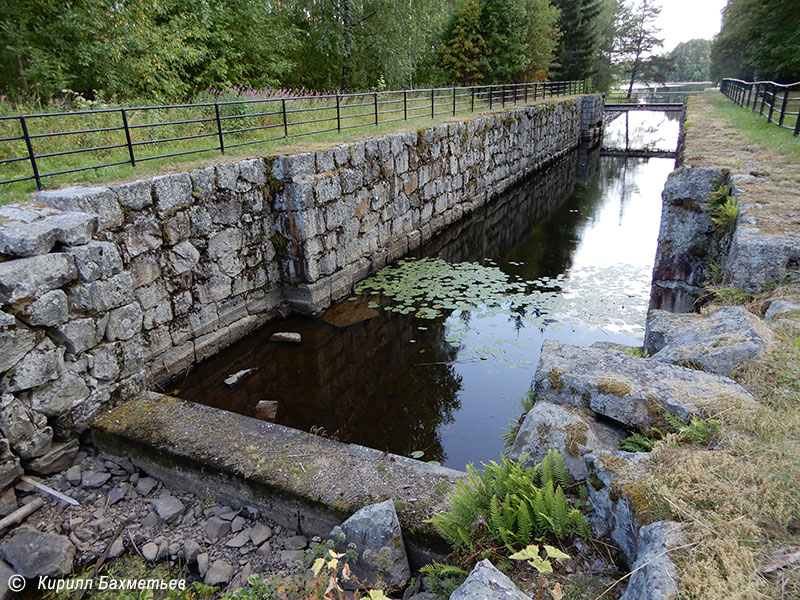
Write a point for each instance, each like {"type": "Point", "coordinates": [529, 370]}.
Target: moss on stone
{"type": "Point", "coordinates": [555, 378]}
{"type": "Point", "coordinates": [576, 437]}
{"type": "Point", "coordinates": [617, 387]}
{"type": "Point", "coordinates": [648, 505]}
{"type": "Point", "coordinates": [281, 245]}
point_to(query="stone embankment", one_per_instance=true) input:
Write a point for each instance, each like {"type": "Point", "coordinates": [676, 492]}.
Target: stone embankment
{"type": "Point", "coordinates": [107, 291]}
{"type": "Point", "coordinates": [588, 398]}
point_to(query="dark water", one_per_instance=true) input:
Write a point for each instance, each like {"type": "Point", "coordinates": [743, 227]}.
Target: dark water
{"type": "Point", "coordinates": [449, 386]}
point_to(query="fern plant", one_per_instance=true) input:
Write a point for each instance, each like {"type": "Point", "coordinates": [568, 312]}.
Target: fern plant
{"type": "Point", "coordinates": [511, 506]}
{"type": "Point", "coordinates": [636, 442]}
{"type": "Point", "coordinates": [722, 207]}
{"type": "Point", "coordinates": [443, 579]}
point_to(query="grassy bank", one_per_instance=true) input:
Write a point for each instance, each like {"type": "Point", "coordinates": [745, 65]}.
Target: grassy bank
{"type": "Point", "coordinates": [739, 497]}
{"type": "Point", "coordinates": [311, 123]}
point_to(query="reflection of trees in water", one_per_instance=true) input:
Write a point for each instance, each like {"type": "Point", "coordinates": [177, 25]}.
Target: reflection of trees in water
{"type": "Point", "coordinates": [642, 130]}
{"type": "Point", "coordinates": [361, 384]}
{"type": "Point", "coordinates": [368, 383]}
{"type": "Point", "coordinates": [505, 223]}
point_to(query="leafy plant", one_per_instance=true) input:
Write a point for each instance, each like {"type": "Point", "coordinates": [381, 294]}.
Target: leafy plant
{"type": "Point", "coordinates": [443, 579]}
{"type": "Point", "coordinates": [511, 506]}
{"type": "Point", "coordinates": [531, 555]}
{"type": "Point", "coordinates": [637, 352]}
{"type": "Point", "coordinates": [636, 442]}
{"type": "Point", "coordinates": [730, 295]}
{"type": "Point", "coordinates": [699, 431]}
{"type": "Point", "coordinates": [722, 207]}
{"type": "Point", "coordinates": [528, 400]}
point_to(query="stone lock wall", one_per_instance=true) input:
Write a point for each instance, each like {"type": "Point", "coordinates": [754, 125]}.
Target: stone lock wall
{"type": "Point", "coordinates": [105, 291]}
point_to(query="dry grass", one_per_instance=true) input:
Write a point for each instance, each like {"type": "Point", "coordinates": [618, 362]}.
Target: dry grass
{"type": "Point", "coordinates": [721, 133]}
{"type": "Point", "coordinates": [740, 498]}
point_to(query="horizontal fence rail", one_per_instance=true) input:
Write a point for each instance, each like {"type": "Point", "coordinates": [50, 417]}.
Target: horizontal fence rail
{"type": "Point", "coordinates": [58, 143]}
{"type": "Point", "coordinates": [778, 102]}
{"type": "Point", "coordinates": [649, 96]}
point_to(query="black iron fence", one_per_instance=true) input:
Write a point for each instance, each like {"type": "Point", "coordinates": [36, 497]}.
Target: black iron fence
{"type": "Point", "coordinates": [37, 146]}
{"type": "Point", "coordinates": [649, 96]}
{"type": "Point", "coordinates": [778, 102]}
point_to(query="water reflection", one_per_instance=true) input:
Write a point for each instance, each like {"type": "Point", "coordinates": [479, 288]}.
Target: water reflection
{"type": "Point", "coordinates": [449, 386]}
{"type": "Point", "coordinates": [643, 130]}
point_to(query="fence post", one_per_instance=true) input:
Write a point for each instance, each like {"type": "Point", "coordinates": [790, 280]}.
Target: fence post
{"type": "Point", "coordinates": [433, 107]}
{"type": "Point", "coordinates": [763, 100]}
{"type": "Point", "coordinates": [472, 102]}
{"type": "Point", "coordinates": [285, 122]}
{"type": "Point", "coordinates": [755, 98]}
{"type": "Point", "coordinates": [771, 105]}
{"type": "Point", "coordinates": [405, 106]}
{"type": "Point", "coordinates": [797, 126]}
{"type": "Point", "coordinates": [783, 106]}
{"type": "Point", "coordinates": [338, 114]}
{"type": "Point", "coordinates": [491, 96]}
{"type": "Point", "coordinates": [454, 102]}
{"type": "Point", "coordinates": [526, 93]}
{"type": "Point", "coordinates": [503, 91]}
{"type": "Point", "coordinates": [375, 96]}
{"type": "Point", "coordinates": [749, 94]}
{"type": "Point", "coordinates": [31, 155]}
{"type": "Point", "coordinates": [128, 136]}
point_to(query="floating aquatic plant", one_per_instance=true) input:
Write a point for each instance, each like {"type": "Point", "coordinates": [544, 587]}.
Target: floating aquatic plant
{"type": "Point", "coordinates": [613, 298]}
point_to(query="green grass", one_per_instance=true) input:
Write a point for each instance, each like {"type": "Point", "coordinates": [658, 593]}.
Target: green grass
{"type": "Point", "coordinates": [302, 136]}
{"type": "Point", "coordinates": [757, 130]}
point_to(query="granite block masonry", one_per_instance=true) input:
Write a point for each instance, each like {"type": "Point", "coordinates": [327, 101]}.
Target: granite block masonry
{"type": "Point", "coordinates": [107, 290]}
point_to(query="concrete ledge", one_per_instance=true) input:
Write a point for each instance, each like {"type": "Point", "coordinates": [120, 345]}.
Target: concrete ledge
{"type": "Point", "coordinates": [301, 481]}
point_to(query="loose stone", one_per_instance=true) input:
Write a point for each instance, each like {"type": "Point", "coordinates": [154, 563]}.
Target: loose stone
{"type": "Point", "coordinates": [286, 336]}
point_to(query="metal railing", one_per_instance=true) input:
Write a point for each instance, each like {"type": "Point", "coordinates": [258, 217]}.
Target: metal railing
{"type": "Point", "coordinates": [127, 136]}
{"type": "Point", "coordinates": [774, 101]}
{"type": "Point", "coordinates": [649, 96]}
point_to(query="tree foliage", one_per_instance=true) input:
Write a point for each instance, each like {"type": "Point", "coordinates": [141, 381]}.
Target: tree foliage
{"type": "Point", "coordinates": [759, 39]}
{"type": "Point", "coordinates": [691, 61]}
{"type": "Point", "coordinates": [604, 64]}
{"type": "Point", "coordinates": [638, 33]}
{"type": "Point", "coordinates": [500, 41]}
{"type": "Point", "coordinates": [159, 48]}
{"type": "Point", "coordinates": [581, 37]}
{"type": "Point", "coordinates": [463, 45]}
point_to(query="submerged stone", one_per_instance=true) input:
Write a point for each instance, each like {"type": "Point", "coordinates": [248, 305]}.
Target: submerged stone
{"type": "Point", "coordinates": [286, 336]}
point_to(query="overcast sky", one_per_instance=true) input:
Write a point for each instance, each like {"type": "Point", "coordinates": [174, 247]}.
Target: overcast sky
{"type": "Point", "coordinates": [684, 20]}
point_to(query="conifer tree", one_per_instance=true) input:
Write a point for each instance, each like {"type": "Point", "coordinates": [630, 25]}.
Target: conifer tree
{"type": "Point", "coordinates": [463, 45]}
{"type": "Point", "coordinates": [580, 37]}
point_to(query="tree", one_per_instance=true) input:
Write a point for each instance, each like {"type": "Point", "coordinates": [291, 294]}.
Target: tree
{"type": "Point", "coordinates": [692, 60]}
{"type": "Point", "coordinates": [604, 65]}
{"type": "Point", "coordinates": [759, 39]}
{"type": "Point", "coordinates": [463, 45]}
{"type": "Point", "coordinates": [503, 30]}
{"type": "Point", "coordinates": [357, 44]}
{"type": "Point", "coordinates": [541, 38]}
{"type": "Point", "coordinates": [637, 36]}
{"type": "Point", "coordinates": [162, 49]}
{"type": "Point", "coordinates": [580, 37]}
